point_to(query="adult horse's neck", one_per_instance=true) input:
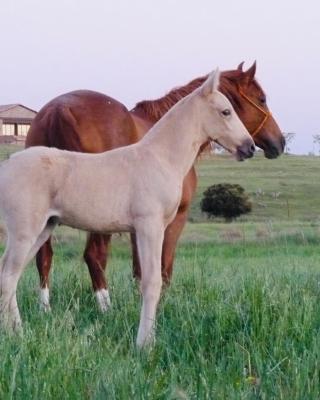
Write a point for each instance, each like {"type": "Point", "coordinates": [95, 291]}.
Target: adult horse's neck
{"type": "Point", "coordinates": [153, 110]}
{"type": "Point", "coordinates": [177, 137]}
{"type": "Point", "coordinates": [148, 112]}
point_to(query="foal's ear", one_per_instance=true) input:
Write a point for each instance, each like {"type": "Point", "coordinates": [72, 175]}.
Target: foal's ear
{"type": "Point", "coordinates": [211, 83]}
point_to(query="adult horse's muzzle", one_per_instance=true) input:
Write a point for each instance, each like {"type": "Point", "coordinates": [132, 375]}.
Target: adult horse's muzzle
{"type": "Point", "coordinates": [274, 149]}
{"type": "Point", "coordinates": [246, 150]}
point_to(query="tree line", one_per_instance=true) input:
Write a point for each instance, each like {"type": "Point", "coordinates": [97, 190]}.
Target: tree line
{"type": "Point", "coordinates": [289, 136]}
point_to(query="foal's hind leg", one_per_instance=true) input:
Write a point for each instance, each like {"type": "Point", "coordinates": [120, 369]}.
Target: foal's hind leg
{"type": "Point", "coordinates": [149, 242]}
{"type": "Point", "coordinates": [20, 250]}
{"type": "Point", "coordinates": [13, 262]}
{"type": "Point", "coordinates": [95, 255]}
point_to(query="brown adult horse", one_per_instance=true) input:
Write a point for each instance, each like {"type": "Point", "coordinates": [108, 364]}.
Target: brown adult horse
{"type": "Point", "coordinates": [91, 122]}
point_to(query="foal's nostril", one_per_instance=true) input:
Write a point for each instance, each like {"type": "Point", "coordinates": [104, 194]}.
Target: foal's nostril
{"type": "Point", "coordinates": [246, 150]}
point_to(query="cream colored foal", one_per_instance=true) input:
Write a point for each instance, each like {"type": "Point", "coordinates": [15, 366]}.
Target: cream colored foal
{"type": "Point", "coordinates": [135, 188]}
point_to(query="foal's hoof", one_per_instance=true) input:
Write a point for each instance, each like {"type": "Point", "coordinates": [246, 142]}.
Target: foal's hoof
{"type": "Point", "coordinates": [146, 343]}
{"type": "Point", "coordinates": [11, 326]}
{"type": "Point", "coordinates": [45, 307]}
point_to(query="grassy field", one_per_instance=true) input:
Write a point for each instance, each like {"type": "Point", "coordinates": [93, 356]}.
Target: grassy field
{"type": "Point", "coordinates": [282, 189]}
{"type": "Point", "coordinates": [240, 321]}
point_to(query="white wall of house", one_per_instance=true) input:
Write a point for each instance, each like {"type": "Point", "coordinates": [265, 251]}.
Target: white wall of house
{"type": "Point", "coordinates": [15, 120]}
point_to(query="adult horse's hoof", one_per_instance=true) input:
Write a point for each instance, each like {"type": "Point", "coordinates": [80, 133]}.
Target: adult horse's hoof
{"type": "Point", "coordinates": [44, 300]}
{"type": "Point", "coordinates": [103, 299]}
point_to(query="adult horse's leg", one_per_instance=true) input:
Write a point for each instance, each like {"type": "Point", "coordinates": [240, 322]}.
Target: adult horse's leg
{"type": "Point", "coordinates": [43, 261]}
{"type": "Point", "coordinates": [135, 257]}
{"type": "Point", "coordinates": [149, 241]}
{"type": "Point", "coordinates": [171, 237]}
{"type": "Point", "coordinates": [95, 255]}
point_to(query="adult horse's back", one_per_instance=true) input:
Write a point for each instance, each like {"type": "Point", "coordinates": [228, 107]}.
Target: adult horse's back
{"type": "Point", "coordinates": [92, 122]}
{"type": "Point", "coordinates": [84, 121]}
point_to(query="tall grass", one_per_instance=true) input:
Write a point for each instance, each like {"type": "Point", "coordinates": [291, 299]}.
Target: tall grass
{"type": "Point", "coordinates": [239, 321]}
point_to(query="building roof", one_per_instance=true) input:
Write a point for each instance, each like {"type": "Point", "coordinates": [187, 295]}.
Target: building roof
{"type": "Point", "coordinates": [6, 107]}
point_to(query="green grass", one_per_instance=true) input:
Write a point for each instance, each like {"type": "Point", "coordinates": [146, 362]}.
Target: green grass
{"type": "Point", "coordinates": [245, 296]}
{"type": "Point", "coordinates": [230, 307]}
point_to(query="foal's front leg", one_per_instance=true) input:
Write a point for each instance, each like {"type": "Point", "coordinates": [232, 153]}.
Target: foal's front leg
{"type": "Point", "coordinates": [149, 241]}
{"type": "Point", "coordinates": [172, 232]}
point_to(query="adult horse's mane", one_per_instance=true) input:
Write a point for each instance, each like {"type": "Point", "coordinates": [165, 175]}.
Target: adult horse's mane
{"type": "Point", "coordinates": [155, 109]}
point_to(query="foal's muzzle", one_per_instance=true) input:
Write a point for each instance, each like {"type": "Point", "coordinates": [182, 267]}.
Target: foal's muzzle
{"type": "Point", "coordinates": [246, 150]}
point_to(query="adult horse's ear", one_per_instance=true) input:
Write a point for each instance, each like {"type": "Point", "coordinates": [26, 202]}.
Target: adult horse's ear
{"type": "Point", "coordinates": [250, 73]}
{"type": "Point", "coordinates": [246, 77]}
{"type": "Point", "coordinates": [240, 66]}
{"type": "Point", "coordinates": [211, 83]}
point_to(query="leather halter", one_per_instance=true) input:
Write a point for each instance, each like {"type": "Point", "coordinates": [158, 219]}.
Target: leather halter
{"type": "Point", "coordinates": [266, 114]}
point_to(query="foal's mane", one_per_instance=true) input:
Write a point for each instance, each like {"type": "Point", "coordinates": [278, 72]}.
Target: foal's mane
{"type": "Point", "coordinates": [155, 109]}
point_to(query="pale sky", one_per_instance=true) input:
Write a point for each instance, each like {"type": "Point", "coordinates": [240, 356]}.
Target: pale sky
{"type": "Point", "coordinates": [135, 50]}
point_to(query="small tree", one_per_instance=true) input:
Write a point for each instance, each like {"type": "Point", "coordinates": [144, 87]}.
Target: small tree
{"type": "Point", "coordinates": [289, 136]}
{"type": "Point", "coordinates": [316, 141]}
{"type": "Point", "coordinates": [225, 200]}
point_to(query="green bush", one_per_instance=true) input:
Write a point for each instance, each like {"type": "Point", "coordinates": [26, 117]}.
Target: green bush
{"type": "Point", "coordinates": [225, 200]}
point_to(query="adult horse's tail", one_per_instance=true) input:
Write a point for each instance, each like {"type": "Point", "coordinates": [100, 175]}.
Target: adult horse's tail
{"type": "Point", "coordinates": [54, 126]}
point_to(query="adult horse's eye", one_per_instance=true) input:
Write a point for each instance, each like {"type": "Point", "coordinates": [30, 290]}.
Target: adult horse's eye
{"type": "Point", "coordinates": [263, 100]}
{"type": "Point", "coordinates": [226, 112]}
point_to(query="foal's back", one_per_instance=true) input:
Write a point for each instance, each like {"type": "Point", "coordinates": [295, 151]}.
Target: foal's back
{"type": "Point", "coordinates": [76, 187]}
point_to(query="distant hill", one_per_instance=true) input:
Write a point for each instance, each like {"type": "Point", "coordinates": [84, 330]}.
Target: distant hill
{"type": "Point", "coordinates": [287, 188]}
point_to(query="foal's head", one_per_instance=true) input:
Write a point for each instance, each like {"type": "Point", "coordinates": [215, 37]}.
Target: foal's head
{"type": "Point", "coordinates": [220, 122]}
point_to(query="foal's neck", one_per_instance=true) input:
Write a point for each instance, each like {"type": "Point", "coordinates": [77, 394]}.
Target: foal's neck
{"type": "Point", "coordinates": [177, 137]}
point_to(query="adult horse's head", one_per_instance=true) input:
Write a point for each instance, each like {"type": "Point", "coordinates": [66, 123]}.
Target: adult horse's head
{"type": "Point", "coordinates": [220, 122]}
{"type": "Point", "coordinates": [249, 101]}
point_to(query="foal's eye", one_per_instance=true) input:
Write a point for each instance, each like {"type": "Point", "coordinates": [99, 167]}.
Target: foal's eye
{"type": "Point", "coordinates": [226, 112]}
